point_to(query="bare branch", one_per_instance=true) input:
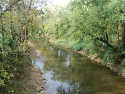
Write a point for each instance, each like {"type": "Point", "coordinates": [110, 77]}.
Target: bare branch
{"type": "Point", "coordinates": [9, 8]}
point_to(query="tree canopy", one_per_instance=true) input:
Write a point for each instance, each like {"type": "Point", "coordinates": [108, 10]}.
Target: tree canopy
{"type": "Point", "coordinates": [98, 26]}
{"type": "Point", "coordinates": [19, 22]}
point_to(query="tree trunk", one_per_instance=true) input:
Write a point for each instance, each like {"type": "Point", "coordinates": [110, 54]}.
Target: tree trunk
{"type": "Point", "coordinates": [119, 59]}
{"type": "Point", "coordinates": [123, 35]}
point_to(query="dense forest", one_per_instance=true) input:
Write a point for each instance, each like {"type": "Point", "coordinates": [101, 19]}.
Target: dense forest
{"type": "Point", "coordinates": [18, 23]}
{"type": "Point", "coordinates": [95, 27]}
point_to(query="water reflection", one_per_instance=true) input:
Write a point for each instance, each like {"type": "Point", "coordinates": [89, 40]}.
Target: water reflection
{"type": "Point", "coordinates": [70, 73]}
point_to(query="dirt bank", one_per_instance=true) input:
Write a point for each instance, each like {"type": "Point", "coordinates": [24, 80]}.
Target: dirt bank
{"type": "Point", "coordinates": [32, 81]}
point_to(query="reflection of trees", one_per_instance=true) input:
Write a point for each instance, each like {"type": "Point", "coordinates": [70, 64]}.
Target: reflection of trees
{"type": "Point", "coordinates": [85, 78]}
{"type": "Point", "coordinates": [72, 90]}
{"type": "Point", "coordinates": [72, 74]}
{"type": "Point", "coordinates": [80, 74]}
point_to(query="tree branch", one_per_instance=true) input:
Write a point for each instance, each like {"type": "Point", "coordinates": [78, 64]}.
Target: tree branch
{"type": "Point", "coordinates": [107, 37]}
{"type": "Point", "coordinates": [9, 8]}
{"type": "Point", "coordinates": [102, 40]}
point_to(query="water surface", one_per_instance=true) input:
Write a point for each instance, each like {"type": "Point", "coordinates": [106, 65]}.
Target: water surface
{"type": "Point", "coordinates": [70, 73]}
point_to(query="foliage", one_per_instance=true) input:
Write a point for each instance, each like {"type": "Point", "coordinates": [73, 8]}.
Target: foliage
{"type": "Point", "coordinates": [98, 24]}
{"type": "Point", "coordinates": [63, 41]}
{"type": "Point", "coordinates": [79, 45]}
{"type": "Point", "coordinates": [18, 20]}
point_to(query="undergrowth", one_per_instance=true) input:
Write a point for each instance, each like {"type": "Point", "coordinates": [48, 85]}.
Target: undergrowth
{"type": "Point", "coordinates": [10, 69]}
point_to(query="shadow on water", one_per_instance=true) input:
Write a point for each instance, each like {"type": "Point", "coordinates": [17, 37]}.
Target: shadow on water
{"type": "Point", "coordinates": [70, 73]}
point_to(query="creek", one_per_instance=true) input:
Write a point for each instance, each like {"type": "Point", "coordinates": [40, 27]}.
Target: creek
{"type": "Point", "coordinates": [70, 73]}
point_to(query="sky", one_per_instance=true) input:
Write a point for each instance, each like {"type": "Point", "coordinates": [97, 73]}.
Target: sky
{"type": "Point", "coordinates": [60, 2]}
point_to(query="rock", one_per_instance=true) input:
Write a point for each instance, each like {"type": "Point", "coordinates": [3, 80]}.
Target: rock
{"type": "Point", "coordinates": [44, 79]}
{"type": "Point", "coordinates": [26, 89]}
{"type": "Point", "coordinates": [41, 73]}
{"type": "Point", "coordinates": [39, 89]}
{"type": "Point", "coordinates": [42, 92]}
{"type": "Point", "coordinates": [42, 87]}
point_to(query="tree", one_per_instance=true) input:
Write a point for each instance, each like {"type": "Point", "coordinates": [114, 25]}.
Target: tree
{"type": "Point", "coordinates": [18, 22]}
{"type": "Point", "coordinates": [101, 21]}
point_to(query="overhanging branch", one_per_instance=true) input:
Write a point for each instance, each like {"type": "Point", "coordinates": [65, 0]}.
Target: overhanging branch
{"type": "Point", "coordinates": [102, 40]}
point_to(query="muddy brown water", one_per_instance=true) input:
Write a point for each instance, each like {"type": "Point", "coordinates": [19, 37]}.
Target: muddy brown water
{"type": "Point", "coordinates": [67, 72]}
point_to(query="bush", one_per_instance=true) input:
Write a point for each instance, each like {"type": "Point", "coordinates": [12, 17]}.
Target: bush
{"type": "Point", "coordinates": [78, 46]}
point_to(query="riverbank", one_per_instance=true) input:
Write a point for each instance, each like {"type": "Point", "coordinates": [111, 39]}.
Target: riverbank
{"type": "Point", "coordinates": [32, 81]}
{"type": "Point", "coordinates": [120, 70]}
